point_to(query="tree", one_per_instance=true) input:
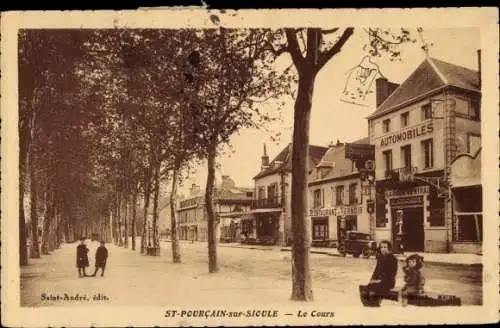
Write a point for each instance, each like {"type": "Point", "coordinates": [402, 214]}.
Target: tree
{"type": "Point", "coordinates": [308, 61]}
{"type": "Point", "coordinates": [237, 76]}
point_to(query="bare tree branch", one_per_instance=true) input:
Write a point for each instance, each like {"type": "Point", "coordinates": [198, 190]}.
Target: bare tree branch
{"type": "Point", "coordinates": [293, 47]}
{"type": "Point", "coordinates": [325, 56]}
{"type": "Point", "coordinates": [330, 31]}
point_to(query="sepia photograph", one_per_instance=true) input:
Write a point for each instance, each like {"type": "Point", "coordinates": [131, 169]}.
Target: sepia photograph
{"type": "Point", "coordinates": [211, 172]}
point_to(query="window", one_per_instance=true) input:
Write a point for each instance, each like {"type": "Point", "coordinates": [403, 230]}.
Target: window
{"type": "Point", "coordinates": [386, 125]}
{"type": "Point", "coordinates": [405, 118]}
{"type": "Point", "coordinates": [353, 197]}
{"type": "Point", "coordinates": [249, 194]}
{"type": "Point", "coordinates": [387, 160]}
{"type": "Point", "coordinates": [406, 155]}
{"type": "Point", "coordinates": [426, 112]}
{"type": "Point", "coordinates": [320, 229]}
{"type": "Point", "coordinates": [272, 191]}
{"type": "Point", "coordinates": [318, 198]}
{"type": "Point", "coordinates": [262, 193]}
{"type": "Point", "coordinates": [427, 150]}
{"type": "Point", "coordinates": [473, 143]}
{"type": "Point", "coordinates": [475, 110]}
{"type": "Point", "coordinates": [339, 195]}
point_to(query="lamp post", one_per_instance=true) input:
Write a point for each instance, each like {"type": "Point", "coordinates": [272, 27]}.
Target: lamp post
{"type": "Point", "coordinates": [398, 242]}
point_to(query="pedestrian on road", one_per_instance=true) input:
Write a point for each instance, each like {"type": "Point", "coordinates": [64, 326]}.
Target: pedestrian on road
{"type": "Point", "coordinates": [383, 278]}
{"type": "Point", "coordinates": [101, 256]}
{"type": "Point", "coordinates": [82, 259]}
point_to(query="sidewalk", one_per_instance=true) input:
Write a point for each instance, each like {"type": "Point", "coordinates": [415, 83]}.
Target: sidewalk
{"type": "Point", "coordinates": [442, 258]}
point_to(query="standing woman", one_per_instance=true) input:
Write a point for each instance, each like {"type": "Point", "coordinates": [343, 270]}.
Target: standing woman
{"type": "Point", "coordinates": [82, 259]}
{"type": "Point", "coordinates": [383, 278]}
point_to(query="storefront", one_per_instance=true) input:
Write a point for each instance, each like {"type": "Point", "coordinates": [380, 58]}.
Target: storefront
{"type": "Point", "coordinates": [328, 225]}
{"type": "Point", "coordinates": [467, 204]}
{"type": "Point", "coordinates": [415, 211]}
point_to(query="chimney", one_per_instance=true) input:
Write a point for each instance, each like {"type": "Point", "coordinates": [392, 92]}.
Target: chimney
{"type": "Point", "coordinates": [479, 66]}
{"type": "Point", "coordinates": [383, 89]}
{"type": "Point", "coordinates": [195, 189]}
{"type": "Point", "coordinates": [338, 143]}
{"type": "Point", "coordinates": [227, 182]}
{"type": "Point", "coordinates": [265, 159]}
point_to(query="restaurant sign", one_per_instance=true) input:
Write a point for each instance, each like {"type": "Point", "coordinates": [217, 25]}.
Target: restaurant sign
{"type": "Point", "coordinates": [336, 211]}
{"type": "Point", "coordinates": [407, 192]}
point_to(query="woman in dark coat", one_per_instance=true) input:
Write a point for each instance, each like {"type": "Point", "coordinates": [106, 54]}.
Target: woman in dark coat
{"type": "Point", "coordinates": [383, 278]}
{"type": "Point", "coordinates": [82, 259]}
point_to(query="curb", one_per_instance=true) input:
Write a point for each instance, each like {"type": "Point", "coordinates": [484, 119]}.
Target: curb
{"type": "Point", "coordinates": [398, 257]}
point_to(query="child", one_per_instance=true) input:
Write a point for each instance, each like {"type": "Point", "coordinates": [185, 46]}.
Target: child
{"type": "Point", "coordinates": [82, 260]}
{"type": "Point", "coordinates": [414, 279]}
{"type": "Point", "coordinates": [101, 256]}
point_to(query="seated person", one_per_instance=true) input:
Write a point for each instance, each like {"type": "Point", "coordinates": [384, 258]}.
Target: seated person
{"type": "Point", "coordinates": [414, 279]}
{"type": "Point", "coordinates": [383, 278]}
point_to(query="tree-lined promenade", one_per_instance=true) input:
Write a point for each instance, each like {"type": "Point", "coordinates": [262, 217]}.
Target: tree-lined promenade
{"type": "Point", "coordinates": [107, 116]}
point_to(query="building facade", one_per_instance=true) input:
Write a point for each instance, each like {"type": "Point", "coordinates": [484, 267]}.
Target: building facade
{"type": "Point", "coordinates": [230, 204]}
{"type": "Point", "coordinates": [418, 130]}
{"type": "Point", "coordinates": [338, 197]}
{"type": "Point", "coordinates": [269, 221]}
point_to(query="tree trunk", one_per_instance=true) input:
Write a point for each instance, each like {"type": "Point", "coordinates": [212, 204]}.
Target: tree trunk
{"type": "Point", "coordinates": [125, 219]}
{"type": "Point", "coordinates": [212, 241]}
{"type": "Point", "coordinates": [134, 210]}
{"type": "Point", "coordinates": [35, 246]}
{"type": "Point", "coordinates": [156, 242]}
{"type": "Point", "coordinates": [176, 252]}
{"type": "Point", "coordinates": [301, 275]}
{"type": "Point", "coordinates": [147, 193]}
{"type": "Point", "coordinates": [119, 220]}
{"type": "Point", "coordinates": [23, 250]}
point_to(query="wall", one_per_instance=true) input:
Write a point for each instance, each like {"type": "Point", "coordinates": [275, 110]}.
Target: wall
{"type": "Point", "coordinates": [332, 210]}
{"type": "Point", "coordinates": [377, 136]}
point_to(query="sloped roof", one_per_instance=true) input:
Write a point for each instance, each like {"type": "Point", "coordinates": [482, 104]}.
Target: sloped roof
{"type": "Point", "coordinates": [429, 76]}
{"type": "Point", "coordinates": [285, 157]}
{"type": "Point", "coordinates": [342, 165]}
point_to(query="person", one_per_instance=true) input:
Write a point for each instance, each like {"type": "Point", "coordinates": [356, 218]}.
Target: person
{"type": "Point", "coordinates": [413, 278]}
{"type": "Point", "coordinates": [383, 278]}
{"type": "Point", "coordinates": [82, 260]}
{"type": "Point", "coordinates": [101, 256]}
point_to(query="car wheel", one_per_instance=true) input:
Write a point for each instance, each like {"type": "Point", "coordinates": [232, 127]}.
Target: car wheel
{"type": "Point", "coordinates": [341, 250]}
{"type": "Point", "coordinates": [366, 253]}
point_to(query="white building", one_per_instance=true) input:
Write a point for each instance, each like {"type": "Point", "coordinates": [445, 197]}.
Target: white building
{"type": "Point", "coordinates": [418, 130]}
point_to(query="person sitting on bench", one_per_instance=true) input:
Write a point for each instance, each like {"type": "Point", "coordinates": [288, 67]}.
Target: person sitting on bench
{"type": "Point", "coordinates": [384, 276]}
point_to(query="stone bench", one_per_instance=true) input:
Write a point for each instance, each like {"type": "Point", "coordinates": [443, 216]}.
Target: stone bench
{"type": "Point", "coordinates": [426, 299]}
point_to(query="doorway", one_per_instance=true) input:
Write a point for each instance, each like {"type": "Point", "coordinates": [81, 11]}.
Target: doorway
{"type": "Point", "coordinates": [413, 228]}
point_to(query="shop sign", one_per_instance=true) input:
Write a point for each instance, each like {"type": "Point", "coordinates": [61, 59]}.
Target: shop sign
{"type": "Point", "coordinates": [336, 211]}
{"type": "Point", "coordinates": [407, 134]}
{"type": "Point", "coordinates": [359, 151]}
{"type": "Point", "coordinates": [407, 201]}
{"type": "Point", "coordinates": [407, 192]}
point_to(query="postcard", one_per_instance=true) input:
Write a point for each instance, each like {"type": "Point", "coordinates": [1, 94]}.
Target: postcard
{"type": "Point", "coordinates": [197, 167]}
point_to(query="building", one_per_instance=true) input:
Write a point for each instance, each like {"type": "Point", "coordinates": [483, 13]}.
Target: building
{"type": "Point", "coordinates": [230, 204]}
{"type": "Point", "coordinates": [419, 129]}
{"type": "Point", "coordinates": [269, 221]}
{"type": "Point", "coordinates": [339, 196]}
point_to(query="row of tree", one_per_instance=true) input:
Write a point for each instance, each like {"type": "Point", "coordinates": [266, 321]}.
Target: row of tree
{"type": "Point", "coordinates": [106, 115]}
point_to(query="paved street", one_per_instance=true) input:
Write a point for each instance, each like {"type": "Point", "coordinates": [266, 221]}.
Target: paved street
{"type": "Point", "coordinates": [246, 277]}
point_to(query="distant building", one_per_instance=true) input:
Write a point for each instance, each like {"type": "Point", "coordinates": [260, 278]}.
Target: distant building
{"type": "Point", "coordinates": [420, 129]}
{"type": "Point", "coordinates": [230, 204]}
{"type": "Point", "coordinates": [269, 221]}
{"type": "Point", "coordinates": [338, 196]}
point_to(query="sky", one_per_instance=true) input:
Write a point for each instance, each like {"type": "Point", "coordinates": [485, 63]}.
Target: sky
{"type": "Point", "coordinates": [331, 118]}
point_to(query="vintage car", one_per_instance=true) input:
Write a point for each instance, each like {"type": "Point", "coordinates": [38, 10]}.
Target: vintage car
{"type": "Point", "coordinates": [357, 243]}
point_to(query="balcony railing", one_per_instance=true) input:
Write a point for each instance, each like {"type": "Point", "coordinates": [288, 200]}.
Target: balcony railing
{"type": "Point", "coordinates": [271, 202]}
{"type": "Point", "coordinates": [401, 174]}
